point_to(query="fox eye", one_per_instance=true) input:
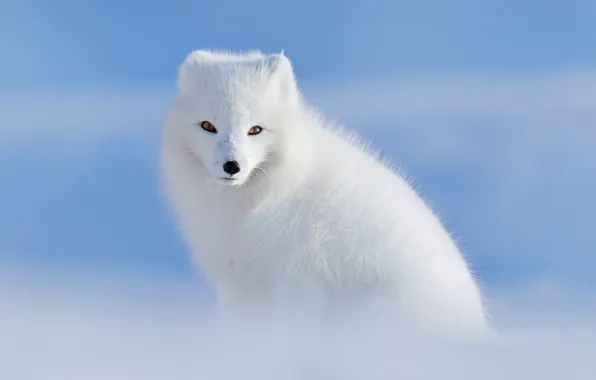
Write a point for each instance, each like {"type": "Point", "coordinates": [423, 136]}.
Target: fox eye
{"type": "Point", "coordinates": [255, 130]}
{"type": "Point", "coordinates": [206, 125]}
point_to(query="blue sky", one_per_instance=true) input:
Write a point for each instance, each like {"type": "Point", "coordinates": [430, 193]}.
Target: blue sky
{"type": "Point", "coordinates": [75, 42]}
{"type": "Point", "coordinates": [490, 107]}
{"type": "Point", "coordinates": [77, 68]}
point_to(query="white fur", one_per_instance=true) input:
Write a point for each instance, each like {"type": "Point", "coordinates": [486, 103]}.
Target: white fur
{"type": "Point", "coordinates": [312, 208]}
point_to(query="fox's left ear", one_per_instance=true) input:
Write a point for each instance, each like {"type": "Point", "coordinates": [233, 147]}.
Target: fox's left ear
{"type": "Point", "coordinates": [281, 75]}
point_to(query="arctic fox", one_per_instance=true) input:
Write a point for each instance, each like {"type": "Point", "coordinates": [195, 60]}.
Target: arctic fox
{"type": "Point", "coordinates": [267, 194]}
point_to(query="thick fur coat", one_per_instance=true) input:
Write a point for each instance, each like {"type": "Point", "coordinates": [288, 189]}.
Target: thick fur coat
{"type": "Point", "coordinates": [270, 196]}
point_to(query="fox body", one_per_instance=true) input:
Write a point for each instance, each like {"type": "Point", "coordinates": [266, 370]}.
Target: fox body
{"type": "Point", "coordinates": [270, 196]}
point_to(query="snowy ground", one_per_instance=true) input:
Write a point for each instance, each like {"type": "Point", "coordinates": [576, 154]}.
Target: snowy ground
{"type": "Point", "coordinates": [106, 328]}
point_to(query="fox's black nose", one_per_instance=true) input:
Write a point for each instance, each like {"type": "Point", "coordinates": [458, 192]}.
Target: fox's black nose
{"type": "Point", "coordinates": [231, 167]}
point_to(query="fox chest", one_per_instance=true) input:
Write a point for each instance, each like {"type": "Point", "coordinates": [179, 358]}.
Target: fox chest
{"type": "Point", "coordinates": [261, 241]}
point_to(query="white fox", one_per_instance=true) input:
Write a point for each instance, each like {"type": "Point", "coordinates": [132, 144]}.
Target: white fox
{"type": "Point", "coordinates": [267, 194]}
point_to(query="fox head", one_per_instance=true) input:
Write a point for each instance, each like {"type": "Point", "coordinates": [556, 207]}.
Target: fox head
{"type": "Point", "coordinates": [230, 110]}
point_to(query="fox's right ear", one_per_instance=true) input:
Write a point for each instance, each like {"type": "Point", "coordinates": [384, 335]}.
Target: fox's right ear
{"type": "Point", "coordinates": [187, 74]}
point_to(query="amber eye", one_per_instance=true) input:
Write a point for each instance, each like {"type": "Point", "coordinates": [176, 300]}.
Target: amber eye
{"type": "Point", "coordinates": [255, 130]}
{"type": "Point", "coordinates": [208, 127]}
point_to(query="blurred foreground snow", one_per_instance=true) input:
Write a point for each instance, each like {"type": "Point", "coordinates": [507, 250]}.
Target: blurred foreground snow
{"type": "Point", "coordinates": [67, 328]}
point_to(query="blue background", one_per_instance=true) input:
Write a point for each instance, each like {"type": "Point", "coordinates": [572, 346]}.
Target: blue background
{"type": "Point", "coordinates": [84, 87]}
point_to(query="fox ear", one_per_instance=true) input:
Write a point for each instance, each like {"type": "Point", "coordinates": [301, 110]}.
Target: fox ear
{"type": "Point", "coordinates": [187, 74]}
{"type": "Point", "coordinates": [281, 75]}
